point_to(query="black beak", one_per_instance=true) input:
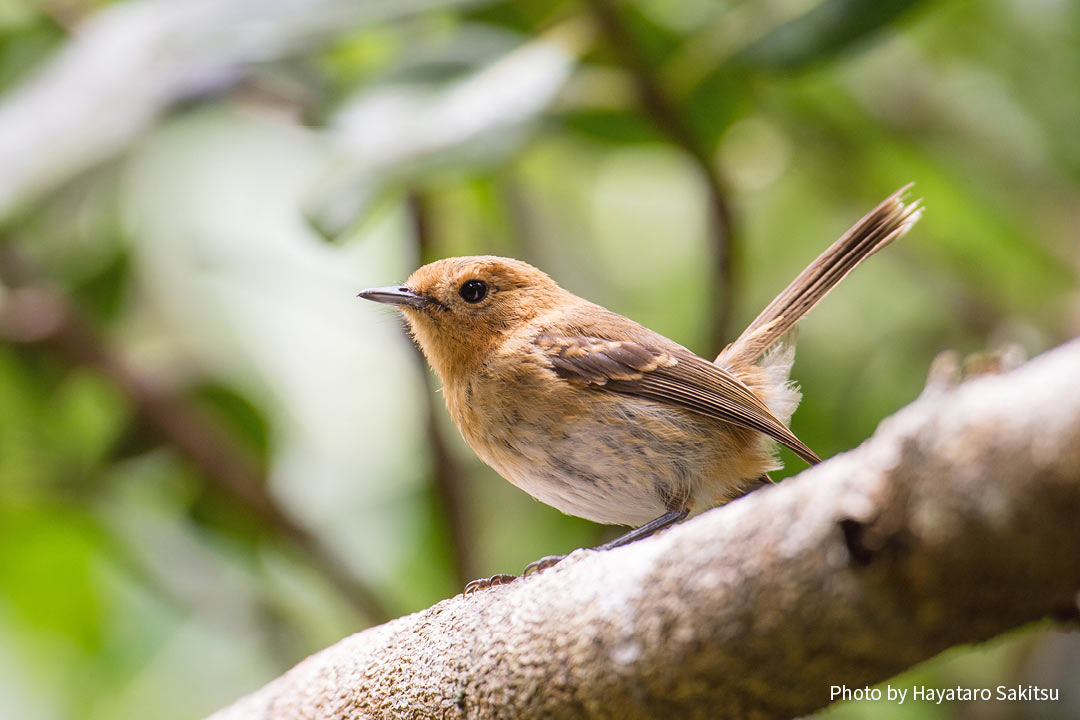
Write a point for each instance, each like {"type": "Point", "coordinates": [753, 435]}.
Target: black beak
{"type": "Point", "coordinates": [395, 295]}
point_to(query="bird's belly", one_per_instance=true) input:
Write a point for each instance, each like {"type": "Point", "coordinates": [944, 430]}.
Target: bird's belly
{"type": "Point", "coordinates": [576, 470]}
{"type": "Point", "coordinates": [617, 459]}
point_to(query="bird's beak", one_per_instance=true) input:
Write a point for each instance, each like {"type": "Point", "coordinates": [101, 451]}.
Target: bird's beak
{"type": "Point", "coordinates": [395, 295]}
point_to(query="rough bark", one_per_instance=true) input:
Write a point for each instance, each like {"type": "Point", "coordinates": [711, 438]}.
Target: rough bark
{"type": "Point", "coordinates": [957, 520]}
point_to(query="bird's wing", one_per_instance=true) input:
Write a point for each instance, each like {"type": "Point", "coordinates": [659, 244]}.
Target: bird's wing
{"type": "Point", "coordinates": [671, 375]}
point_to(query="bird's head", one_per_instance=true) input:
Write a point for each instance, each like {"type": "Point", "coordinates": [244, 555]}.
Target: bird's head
{"type": "Point", "coordinates": [460, 308]}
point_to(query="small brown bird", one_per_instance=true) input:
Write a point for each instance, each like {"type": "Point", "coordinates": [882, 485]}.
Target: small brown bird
{"type": "Point", "coordinates": [600, 417]}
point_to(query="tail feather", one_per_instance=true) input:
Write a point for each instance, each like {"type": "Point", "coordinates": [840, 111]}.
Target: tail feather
{"type": "Point", "coordinates": [885, 223]}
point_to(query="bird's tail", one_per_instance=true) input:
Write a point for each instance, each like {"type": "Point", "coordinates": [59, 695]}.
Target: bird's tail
{"type": "Point", "coordinates": [885, 223]}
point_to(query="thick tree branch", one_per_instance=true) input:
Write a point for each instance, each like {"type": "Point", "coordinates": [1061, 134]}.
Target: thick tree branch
{"type": "Point", "coordinates": [955, 522]}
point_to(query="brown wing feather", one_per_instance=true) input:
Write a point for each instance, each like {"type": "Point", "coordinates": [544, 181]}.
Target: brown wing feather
{"type": "Point", "coordinates": [670, 375]}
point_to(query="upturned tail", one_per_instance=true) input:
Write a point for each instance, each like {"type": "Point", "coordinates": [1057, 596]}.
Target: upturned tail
{"type": "Point", "coordinates": [885, 223]}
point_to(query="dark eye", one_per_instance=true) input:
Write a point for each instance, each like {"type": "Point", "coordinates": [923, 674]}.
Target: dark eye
{"type": "Point", "coordinates": [473, 291]}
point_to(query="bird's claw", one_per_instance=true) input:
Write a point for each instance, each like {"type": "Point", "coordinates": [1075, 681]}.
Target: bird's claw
{"type": "Point", "coordinates": [485, 583]}
{"type": "Point", "coordinates": [542, 564]}
{"type": "Point", "coordinates": [502, 578]}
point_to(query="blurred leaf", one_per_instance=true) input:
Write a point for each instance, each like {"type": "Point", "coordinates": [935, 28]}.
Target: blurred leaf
{"type": "Point", "coordinates": [238, 414]}
{"type": "Point", "coordinates": [152, 56]}
{"type": "Point", "coordinates": [826, 31]}
{"type": "Point", "coordinates": [654, 42]}
{"type": "Point", "coordinates": [213, 508]}
{"type": "Point", "coordinates": [612, 126]}
{"type": "Point", "coordinates": [523, 16]}
{"type": "Point", "coordinates": [397, 131]}
{"type": "Point", "coordinates": [47, 571]}
{"type": "Point", "coordinates": [86, 417]}
{"type": "Point", "coordinates": [103, 292]}
{"type": "Point", "coordinates": [358, 57]}
{"type": "Point", "coordinates": [419, 54]}
{"type": "Point", "coordinates": [23, 461]}
{"type": "Point", "coordinates": [15, 14]}
{"type": "Point", "coordinates": [57, 426]}
{"type": "Point", "coordinates": [715, 104]}
{"type": "Point", "coordinates": [26, 38]}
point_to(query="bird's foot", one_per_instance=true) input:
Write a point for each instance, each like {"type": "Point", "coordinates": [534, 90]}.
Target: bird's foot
{"type": "Point", "coordinates": [485, 583]}
{"type": "Point", "coordinates": [542, 564]}
{"type": "Point", "coordinates": [502, 578]}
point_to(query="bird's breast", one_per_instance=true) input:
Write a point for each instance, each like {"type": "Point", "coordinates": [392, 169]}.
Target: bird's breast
{"type": "Point", "coordinates": [593, 453]}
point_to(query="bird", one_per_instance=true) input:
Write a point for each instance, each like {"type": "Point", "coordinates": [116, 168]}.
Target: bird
{"type": "Point", "coordinates": [597, 415]}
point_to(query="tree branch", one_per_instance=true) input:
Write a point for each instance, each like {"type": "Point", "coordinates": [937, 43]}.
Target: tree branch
{"type": "Point", "coordinates": [955, 522]}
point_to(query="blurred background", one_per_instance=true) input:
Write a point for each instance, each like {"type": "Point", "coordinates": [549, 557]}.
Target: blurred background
{"type": "Point", "coordinates": [215, 460]}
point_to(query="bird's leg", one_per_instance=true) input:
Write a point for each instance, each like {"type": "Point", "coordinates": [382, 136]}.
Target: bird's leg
{"type": "Point", "coordinates": [649, 528]}
{"type": "Point", "coordinates": [653, 526]}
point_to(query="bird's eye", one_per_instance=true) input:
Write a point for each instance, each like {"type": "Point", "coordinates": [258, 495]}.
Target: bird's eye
{"type": "Point", "coordinates": [473, 291]}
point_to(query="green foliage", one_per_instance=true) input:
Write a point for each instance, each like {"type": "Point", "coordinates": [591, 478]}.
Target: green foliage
{"type": "Point", "coordinates": [47, 564]}
{"type": "Point", "coordinates": [191, 256]}
{"type": "Point", "coordinates": [612, 126]}
{"type": "Point", "coordinates": [829, 29]}
{"type": "Point", "coordinates": [26, 37]}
